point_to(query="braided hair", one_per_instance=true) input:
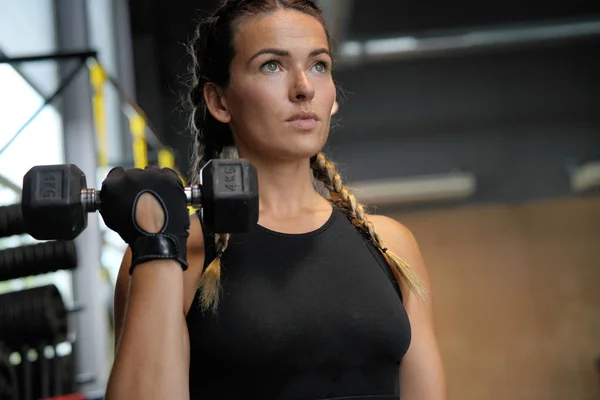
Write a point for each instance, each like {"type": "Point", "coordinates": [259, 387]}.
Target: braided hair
{"type": "Point", "coordinates": [212, 51]}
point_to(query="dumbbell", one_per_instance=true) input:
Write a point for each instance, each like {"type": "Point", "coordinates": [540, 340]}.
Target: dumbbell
{"type": "Point", "coordinates": [56, 200]}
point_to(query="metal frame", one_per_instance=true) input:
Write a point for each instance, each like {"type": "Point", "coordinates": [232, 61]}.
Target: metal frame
{"type": "Point", "coordinates": [57, 56]}
{"type": "Point", "coordinates": [91, 348]}
{"type": "Point", "coordinates": [22, 75]}
{"type": "Point", "coordinates": [7, 183]}
{"type": "Point", "coordinates": [126, 102]}
{"type": "Point", "coordinates": [124, 64]}
{"type": "Point", "coordinates": [47, 101]}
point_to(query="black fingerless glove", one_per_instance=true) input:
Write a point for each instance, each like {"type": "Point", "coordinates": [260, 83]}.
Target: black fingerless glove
{"type": "Point", "coordinates": [119, 195]}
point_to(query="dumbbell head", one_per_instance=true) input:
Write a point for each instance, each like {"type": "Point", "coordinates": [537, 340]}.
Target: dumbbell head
{"type": "Point", "coordinates": [52, 202]}
{"type": "Point", "coordinates": [229, 195]}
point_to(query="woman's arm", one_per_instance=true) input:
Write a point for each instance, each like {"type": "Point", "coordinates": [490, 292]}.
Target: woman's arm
{"type": "Point", "coordinates": [152, 342]}
{"type": "Point", "coordinates": [123, 285]}
{"type": "Point", "coordinates": [422, 371]}
{"type": "Point", "coordinates": [191, 277]}
{"type": "Point", "coordinates": [121, 296]}
{"type": "Point", "coordinates": [152, 357]}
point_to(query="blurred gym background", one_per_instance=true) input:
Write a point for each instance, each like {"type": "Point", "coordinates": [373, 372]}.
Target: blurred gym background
{"type": "Point", "coordinates": [475, 124]}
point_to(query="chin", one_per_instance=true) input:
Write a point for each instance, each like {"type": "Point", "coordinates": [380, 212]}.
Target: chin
{"type": "Point", "coordinates": [289, 145]}
{"type": "Point", "coordinates": [303, 148]}
{"type": "Point", "coordinates": [297, 153]}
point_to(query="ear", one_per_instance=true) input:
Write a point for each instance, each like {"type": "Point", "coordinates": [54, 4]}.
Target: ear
{"type": "Point", "coordinates": [216, 103]}
{"type": "Point", "coordinates": [335, 108]}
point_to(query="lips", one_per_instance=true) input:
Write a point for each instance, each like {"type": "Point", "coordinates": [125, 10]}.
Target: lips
{"type": "Point", "coordinates": [304, 115]}
{"type": "Point", "coordinates": [303, 120]}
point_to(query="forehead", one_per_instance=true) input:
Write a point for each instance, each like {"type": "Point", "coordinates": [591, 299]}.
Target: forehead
{"type": "Point", "coordinates": [284, 29]}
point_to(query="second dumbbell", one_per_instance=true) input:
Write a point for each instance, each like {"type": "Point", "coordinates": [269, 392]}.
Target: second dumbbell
{"type": "Point", "coordinates": [56, 200]}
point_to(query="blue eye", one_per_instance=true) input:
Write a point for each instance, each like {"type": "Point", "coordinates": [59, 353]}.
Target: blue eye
{"type": "Point", "coordinates": [321, 67]}
{"type": "Point", "coordinates": [271, 66]}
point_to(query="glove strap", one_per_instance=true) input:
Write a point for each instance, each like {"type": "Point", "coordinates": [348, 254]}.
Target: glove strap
{"type": "Point", "coordinates": [156, 247]}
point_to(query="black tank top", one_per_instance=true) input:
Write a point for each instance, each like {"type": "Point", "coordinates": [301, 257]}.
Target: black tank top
{"type": "Point", "coordinates": [302, 316]}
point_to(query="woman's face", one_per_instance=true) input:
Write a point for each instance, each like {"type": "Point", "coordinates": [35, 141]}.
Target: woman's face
{"type": "Point", "coordinates": [281, 92]}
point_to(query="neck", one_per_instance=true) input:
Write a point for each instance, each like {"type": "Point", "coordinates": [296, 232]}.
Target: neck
{"type": "Point", "coordinates": [285, 188]}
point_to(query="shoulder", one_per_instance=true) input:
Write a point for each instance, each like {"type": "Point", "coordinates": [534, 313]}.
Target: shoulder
{"type": "Point", "coordinates": [398, 238]}
{"type": "Point", "coordinates": [402, 242]}
{"type": "Point", "coordinates": [392, 231]}
{"type": "Point", "coordinates": [422, 372]}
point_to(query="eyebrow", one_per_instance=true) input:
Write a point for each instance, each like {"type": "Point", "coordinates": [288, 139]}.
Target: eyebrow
{"type": "Point", "coordinates": [285, 53]}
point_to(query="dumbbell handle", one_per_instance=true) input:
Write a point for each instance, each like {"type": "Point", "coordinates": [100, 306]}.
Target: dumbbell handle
{"type": "Point", "coordinates": [90, 198]}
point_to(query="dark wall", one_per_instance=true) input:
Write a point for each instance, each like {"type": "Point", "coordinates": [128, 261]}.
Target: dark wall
{"type": "Point", "coordinates": [517, 119]}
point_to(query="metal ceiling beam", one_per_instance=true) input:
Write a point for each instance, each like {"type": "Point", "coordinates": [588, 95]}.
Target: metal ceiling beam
{"type": "Point", "coordinates": [352, 53]}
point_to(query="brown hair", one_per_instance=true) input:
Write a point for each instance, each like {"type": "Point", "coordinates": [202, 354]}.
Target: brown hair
{"type": "Point", "coordinates": [212, 51]}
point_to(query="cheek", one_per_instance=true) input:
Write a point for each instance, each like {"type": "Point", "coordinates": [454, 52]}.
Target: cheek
{"type": "Point", "coordinates": [325, 92]}
{"type": "Point", "coordinates": [255, 110]}
{"type": "Point", "coordinates": [254, 100]}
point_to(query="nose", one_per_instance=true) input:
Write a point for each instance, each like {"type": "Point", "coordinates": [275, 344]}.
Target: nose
{"type": "Point", "coordinates": [302, 89]}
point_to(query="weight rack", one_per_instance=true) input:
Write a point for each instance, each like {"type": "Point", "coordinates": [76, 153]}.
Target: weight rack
{"type": "Point", "coordinates": [34, 322]}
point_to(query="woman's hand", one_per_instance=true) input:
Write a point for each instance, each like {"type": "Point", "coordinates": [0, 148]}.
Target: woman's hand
{"type": "Point", "coordinates": [148, 209]}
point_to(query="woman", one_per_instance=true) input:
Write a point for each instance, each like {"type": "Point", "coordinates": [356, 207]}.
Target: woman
{"type": "Point", "coordinates": [316, 301]}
